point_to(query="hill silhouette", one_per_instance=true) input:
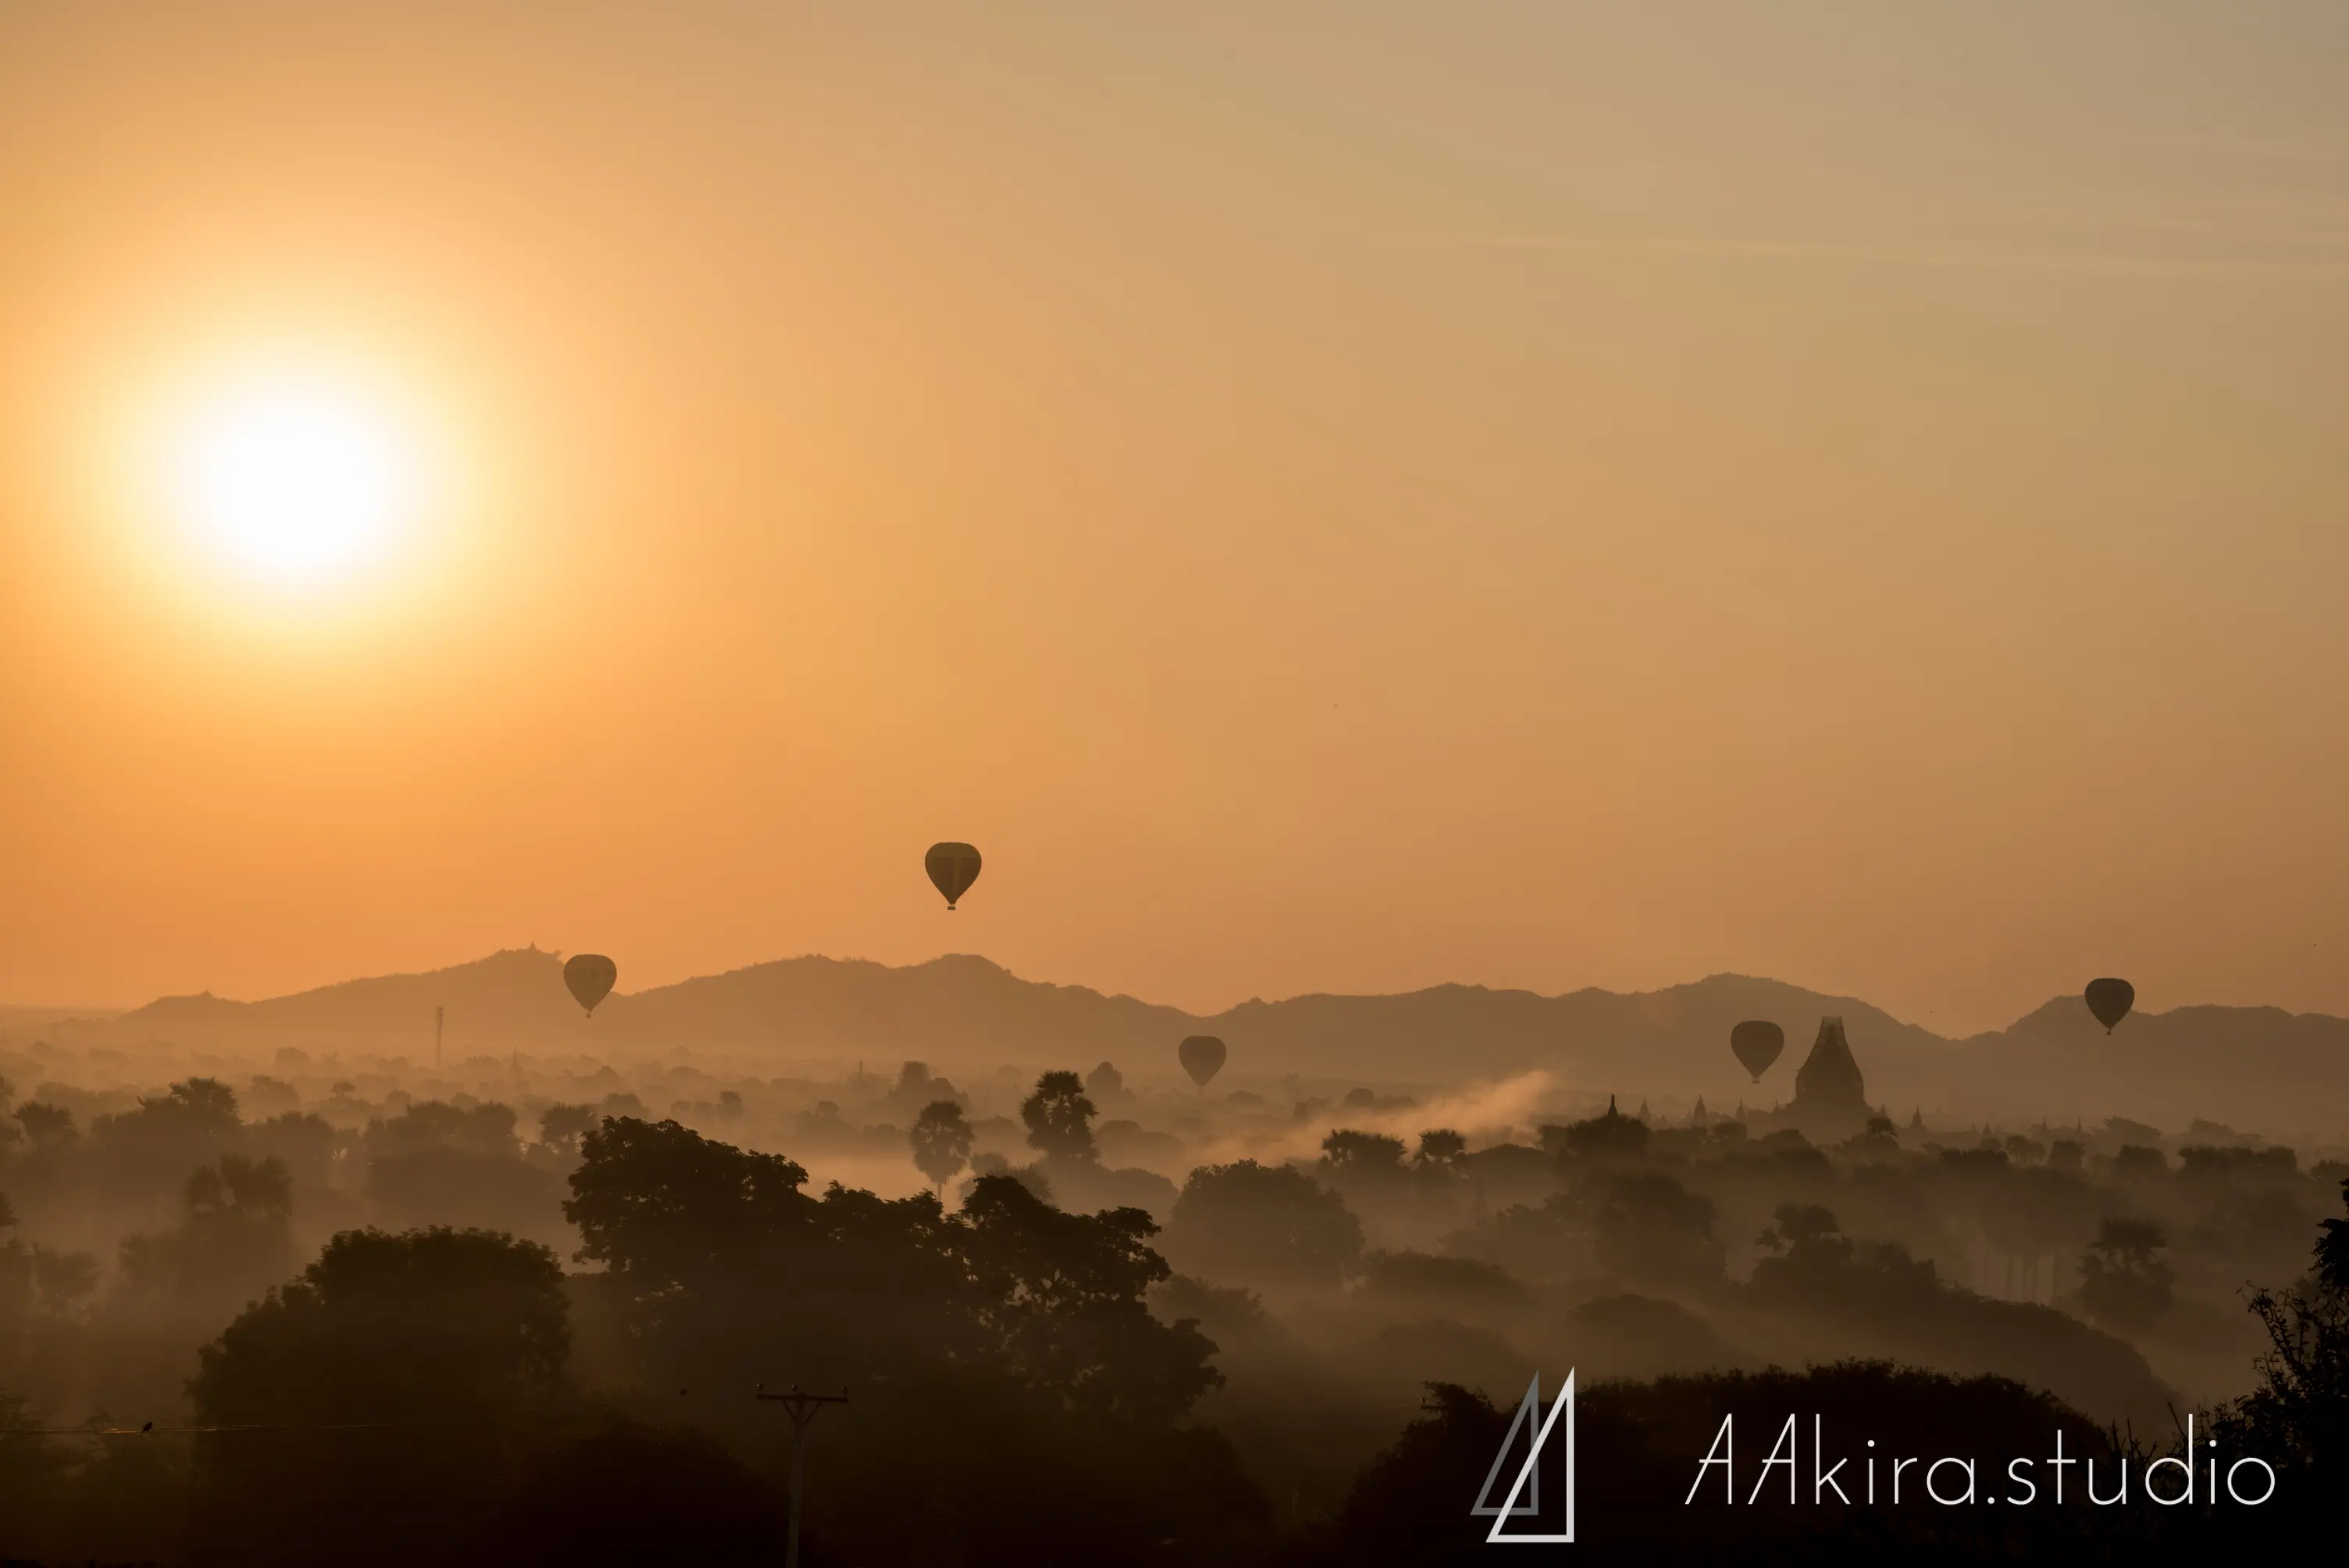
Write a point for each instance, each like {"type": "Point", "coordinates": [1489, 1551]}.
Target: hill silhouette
{"type": "Point", "coordinates": [514, 997]}
{"type": "Point", "coordinates": [2251, 1067]}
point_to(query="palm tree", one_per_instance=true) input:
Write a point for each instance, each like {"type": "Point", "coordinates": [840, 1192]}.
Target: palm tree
{"type": "Point", "coordinates": [941, 1139]}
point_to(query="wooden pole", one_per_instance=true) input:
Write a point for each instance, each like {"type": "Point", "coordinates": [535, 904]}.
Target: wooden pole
{"type": "Point", "coordinates": [802, 1409]}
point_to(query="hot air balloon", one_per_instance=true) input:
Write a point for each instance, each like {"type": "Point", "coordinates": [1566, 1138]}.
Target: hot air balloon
{"type": "Point", "coordinates": [1757, 1042]}
{"type": "Point", "coordinates": [590, 977]}
{"type": "Point", "coordinates": [2110, 1000]}
{"type": "Point", "coordinates": [952, 868]}
{"type": "Point", "coordinates": [1202, 1056]}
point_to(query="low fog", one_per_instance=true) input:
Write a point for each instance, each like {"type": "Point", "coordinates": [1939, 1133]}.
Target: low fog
{"type": "Point", "coordinates": [1136, 1291]}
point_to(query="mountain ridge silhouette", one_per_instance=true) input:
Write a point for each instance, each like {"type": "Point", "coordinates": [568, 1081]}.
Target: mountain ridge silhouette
{"type": "Point", "coordinates": [2260, 1065]}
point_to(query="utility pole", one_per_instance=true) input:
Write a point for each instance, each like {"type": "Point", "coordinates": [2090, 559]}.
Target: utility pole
{"type": "Point", "coordinates": [802, 1409]}
{"type": "Point", "coordinates": [436, 1037]}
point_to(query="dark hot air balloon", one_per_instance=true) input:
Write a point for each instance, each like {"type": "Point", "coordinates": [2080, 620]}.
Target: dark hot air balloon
{"type": "Point", "coordinates": [1757, 1042]}
{"type": "Point", "coordinates": [952, 868]}
{"type": "Point", "coordinates": [1202, 1056]}
{"type": "Point", "coordinates": [2110, 1000]}
{"type": "Point", "coordinates": [590, 977]}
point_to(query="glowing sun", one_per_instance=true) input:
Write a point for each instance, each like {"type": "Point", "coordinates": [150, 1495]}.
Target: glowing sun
{"type": "Point", "coordinates": [294, 484]}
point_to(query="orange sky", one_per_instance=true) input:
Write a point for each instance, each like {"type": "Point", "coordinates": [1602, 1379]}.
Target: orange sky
{"type": "Point", "coordinates": [1327, 497]}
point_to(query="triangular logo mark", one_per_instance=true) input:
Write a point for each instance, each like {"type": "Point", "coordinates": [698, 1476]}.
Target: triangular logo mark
{"type": "Point", "coordinates": [1530, 1417]}
{"type": "Point", "coordinates": [1530, 1406]}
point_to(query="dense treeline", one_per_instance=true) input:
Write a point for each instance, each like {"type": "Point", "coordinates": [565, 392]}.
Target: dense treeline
{"type": "Point", "coordinates": [1032, 1378]}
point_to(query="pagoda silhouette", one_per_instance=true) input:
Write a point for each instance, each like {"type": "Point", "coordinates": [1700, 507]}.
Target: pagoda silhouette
{"type": "Point", "coordinates": [1830, 1095]}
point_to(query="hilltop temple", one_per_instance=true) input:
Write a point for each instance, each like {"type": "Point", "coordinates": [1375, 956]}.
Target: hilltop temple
{"type": "Point", "coordinates": [1830, 1095]}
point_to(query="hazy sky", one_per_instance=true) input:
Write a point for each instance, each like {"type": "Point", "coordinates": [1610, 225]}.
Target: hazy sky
{"type": "Point", "coordinates": [1333, 497]}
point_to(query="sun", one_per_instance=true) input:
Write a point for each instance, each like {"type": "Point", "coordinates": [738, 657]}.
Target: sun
{"type": "Point", "coordinates": [293, 482]}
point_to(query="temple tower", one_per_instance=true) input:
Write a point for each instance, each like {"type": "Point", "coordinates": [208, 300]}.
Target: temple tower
{"type": "Point", "coordinates": [1830, 1095]}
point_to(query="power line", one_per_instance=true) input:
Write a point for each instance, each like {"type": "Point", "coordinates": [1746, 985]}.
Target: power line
{"type": "Point", "coordinates": [151, 1429]}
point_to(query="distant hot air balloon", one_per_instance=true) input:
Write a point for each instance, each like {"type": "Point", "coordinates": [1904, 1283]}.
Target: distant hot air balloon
{"type": "Point", "coordinates": [590, 977]}
{"type": "Point", "coordinates": [1202, 1056]}
{"type": "Point", "coordinates": [1757, 1042]}
{"type": "Point", "coordinates": [2110, 1000]}
{"type": "Point", "coordinates": [952, 868]}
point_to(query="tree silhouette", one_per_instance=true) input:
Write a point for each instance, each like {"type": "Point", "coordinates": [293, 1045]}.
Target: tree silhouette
{"type": "Point", "coordinates": [1010, 1318]}
{"type": "Point", "coordinates": [1440, 1147]}
{"type": "Point", "coordinates": [2124, 1284]}
{"type": "Point", "coordinates": [941, 1139]}
{"type": "Point", "coordinates": [234, 1239]}
{"type": "Point", "coordinates": [1649, 1229]}
{"type": "Point", "coordinates": [720, 1255]}
{"type": "Point", "coordinates": [432, 1126]}
{"type": "Point", "coordinates": [716, 1259]}
{"type": "Point", "coordinates": [1271, 1224]}
{"type": "Point", "coordinates": [45, 1123]}
{"type": "Point", "coordinates": [1430, 1285]}
{"type": "Point", "coordinates": [2332, 1249]}
{"type": "Point", "coordinates": [1059, 1117]}
{"type": "Point", "coordinates": [1349, 1152]}
{"type": "Point", "coordinates": [438, 1161]}
{"type": "Point", "coordinates": [561, 1126]}
{"type": "Point", "coordinates": [422, 1323]}
{"type": "Point", "coordinates": [1366, 1169]}
{"type": "Point", "coordinates": [658, 1204]}
{"type": "Point", "coordinates": [1407, 1506]}
{"type": "Point", "coordinates": [62, 1280]}
{"type": "Point", "coordinates": [16, 1270]}
{"type": "Point", "coordinates": [201, 1103]}
{"type": "Point", "coordinates": [1819, 1267]}
{"type": "Point", "coordinates": [1066, 1294]}
{"type": "Point", "coordinates": [147, 1152]}
{"type": "Point", "coordinates": [408, 1368]}
{"type": "Point", "coordinates": [2299, 1414]}
{"type": "Point", "coordinates": [238, 1185]}
{"type": "Point", "coordinates": [305, 1143]}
